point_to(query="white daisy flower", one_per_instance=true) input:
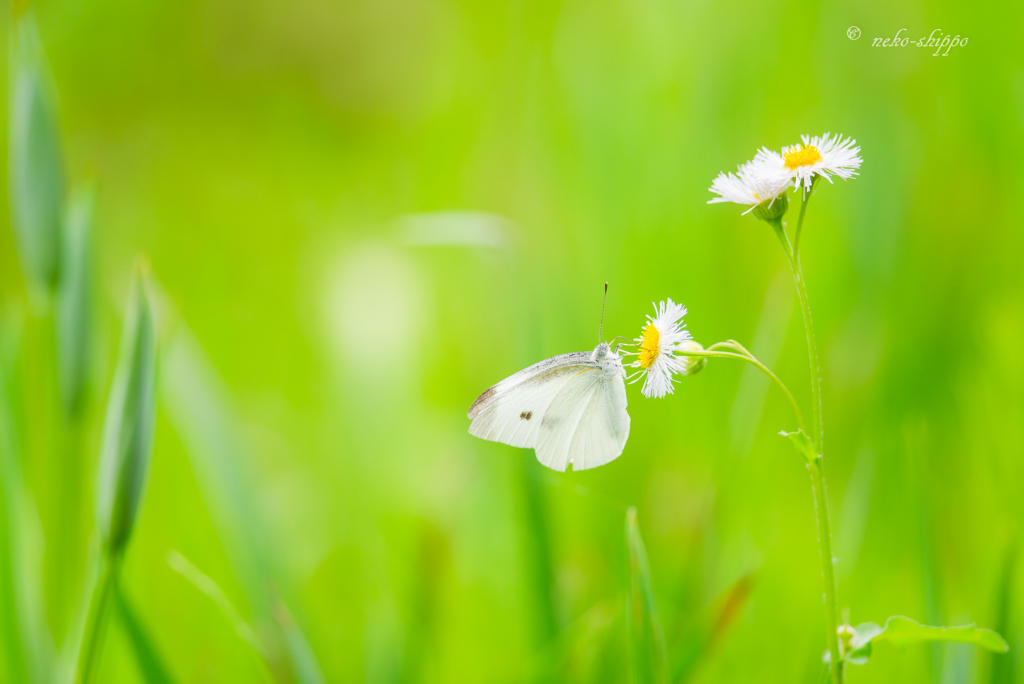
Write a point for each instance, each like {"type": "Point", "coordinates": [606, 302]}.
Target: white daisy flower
{"type": "Point", "coordinates": [821, 156]}
{"type": "Point", "coordinates": [762, 179]}
{"type": "Point", "coordinates": [663, 335]}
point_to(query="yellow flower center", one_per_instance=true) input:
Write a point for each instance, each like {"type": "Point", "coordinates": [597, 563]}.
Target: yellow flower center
{"type": "Point", "coordinates": [802, 156]}
{"type": "Point", "coordinates": [648, 346]}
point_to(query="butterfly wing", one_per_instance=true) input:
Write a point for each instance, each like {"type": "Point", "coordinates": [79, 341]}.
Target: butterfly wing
{"type": "Point", "coordinates": [586, 424]}
{"type": "Point", "coordinates": [512, 411]}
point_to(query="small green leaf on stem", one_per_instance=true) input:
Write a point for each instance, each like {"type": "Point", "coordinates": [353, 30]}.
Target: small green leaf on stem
{"type": "Point", "coordinates": [803, 444]}
{"type": "Point", "coordinates": [901, 631]}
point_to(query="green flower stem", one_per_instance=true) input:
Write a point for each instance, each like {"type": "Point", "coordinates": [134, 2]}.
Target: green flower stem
{"type": "Point", "coordinates": [744, 355]}
{"type": "Point", "coordinates": [817, 466]}
{"type": "Point", "coordinates": [96, 621]}
{"type": "Point", "coordinates": [800, 219]}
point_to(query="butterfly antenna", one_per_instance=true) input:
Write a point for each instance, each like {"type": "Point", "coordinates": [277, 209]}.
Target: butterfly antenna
{"type": "Point", "coordinates": [604, 301]}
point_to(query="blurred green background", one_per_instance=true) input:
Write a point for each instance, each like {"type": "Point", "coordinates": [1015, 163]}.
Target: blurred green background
{"type": "Point", "coordinates": [362, 214]}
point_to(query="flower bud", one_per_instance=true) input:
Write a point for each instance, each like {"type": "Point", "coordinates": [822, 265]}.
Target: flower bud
{"type": "Point", "coordinates": [73, 313]}
{"type": "Point", "coordinates": [692, 364]}
{"type": "Point", "coordinates": [36, 170]}
{"type": "Point", "coordinates": [128, 428]}
{"type": "Point", "coordinates": [770, 210]}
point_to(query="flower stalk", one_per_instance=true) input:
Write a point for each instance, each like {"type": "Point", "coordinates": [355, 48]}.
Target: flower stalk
{"type": "Point", "coordinates": [816, 466]}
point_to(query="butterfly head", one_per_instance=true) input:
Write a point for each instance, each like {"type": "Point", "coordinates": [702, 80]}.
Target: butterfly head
{"type": "Point", "coordinates": [607, 359]}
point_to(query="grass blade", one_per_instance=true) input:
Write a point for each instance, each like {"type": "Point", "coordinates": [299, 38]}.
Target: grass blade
{"type": "Point", "coordinates": [1002, 668]}
{"type": "Point", "coordinates": [207, 586]}
{"type": "Point", "coordinates": [146, 655]}
{"type": "Point", "coordinates": [646, 640]}
{"type": "Point", "coordinates": [211, 590]}
{"type": "Point", "coordinates": [197, 406]}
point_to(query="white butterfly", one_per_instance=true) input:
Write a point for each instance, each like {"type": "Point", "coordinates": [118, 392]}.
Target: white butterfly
{"type": "Point", "coordinates": [569, 409]}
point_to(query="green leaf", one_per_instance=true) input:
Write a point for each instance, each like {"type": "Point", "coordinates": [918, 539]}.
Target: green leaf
{"type": "Point", "coordinates": [901, 631]}
{"type": "Point", "coordinates": [803, 444]}
{"type": "Point", "coordinates": [128, 429]}
{"type": "Point", "coordinates": [36, 161]}
{"type": "Point", "coordinates": [146, 655]}
{"type": "Point", "coordinates": [73, 315]}
{"type": "Point", "coordinates": [860, 645]}
{"type": "Point", "coordinates": [647, 652]}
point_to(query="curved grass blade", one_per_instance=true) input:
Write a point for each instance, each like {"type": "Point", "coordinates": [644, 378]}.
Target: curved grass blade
{"type": "Point", "coordinates": [207, 586]}
{"type": "Point", "coordinates": [198, 408]}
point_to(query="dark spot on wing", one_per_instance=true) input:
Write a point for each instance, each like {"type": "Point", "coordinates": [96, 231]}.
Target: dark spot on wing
{"type": "Point", "coordinates": [526, 415]}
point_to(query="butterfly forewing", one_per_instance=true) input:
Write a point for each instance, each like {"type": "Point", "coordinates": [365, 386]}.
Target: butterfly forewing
{"type": "Point", "coordinates": [511, 412]}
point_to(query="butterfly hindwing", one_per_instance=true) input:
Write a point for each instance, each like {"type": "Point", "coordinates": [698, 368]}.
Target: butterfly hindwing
{"type": "Point", "coordinates": [586, 424]}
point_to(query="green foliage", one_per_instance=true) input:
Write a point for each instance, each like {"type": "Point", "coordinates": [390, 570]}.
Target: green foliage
{"type": "Point", "coordinates": [265, 155]}
{"type": "Point", "coordinates": [128, 427]}
{"type": "Point", "coordinates": [36, 161]}
{"type": "Point", "coordinates": [902, 631]}
{"type": "Point", "coordinates": [803, 445]}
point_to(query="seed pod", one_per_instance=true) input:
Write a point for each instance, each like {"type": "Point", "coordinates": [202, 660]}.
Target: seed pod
{"type": "Point", "coordinates": [128, 428]}
{"type": "Point", "coordinates": [74, 302]}
{"type": "Point", "coordinates": [36, 162]}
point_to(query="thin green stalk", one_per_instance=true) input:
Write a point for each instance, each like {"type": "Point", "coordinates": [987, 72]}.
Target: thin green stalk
{"type": "Point", "coordinates": [800, 224]}
{"type": "Point", "coordinates": [749, 358]}
{"type": "Point", "coordinates": [816, 467]}
{"type": "Point", "coordinates": [96, 621]}
{"type": "Point", "coordinates": [827, 570]}
{"type": "Point", "coordinates": [812, 346]}
{"type": "Point", "coordinates": [806, 196]}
